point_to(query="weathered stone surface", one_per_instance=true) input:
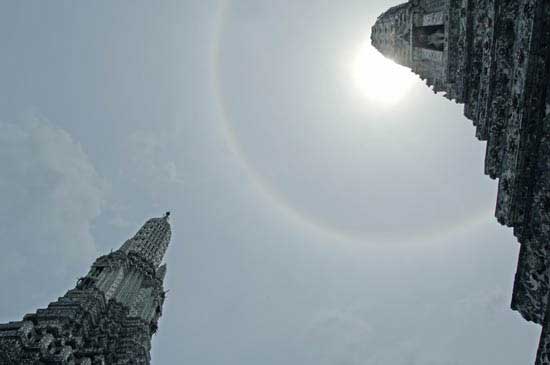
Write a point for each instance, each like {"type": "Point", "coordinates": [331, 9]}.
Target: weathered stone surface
{"type": "Point", "coordinates": [110, 316]}
{"type": "Point", "coordinates": [496, 60]}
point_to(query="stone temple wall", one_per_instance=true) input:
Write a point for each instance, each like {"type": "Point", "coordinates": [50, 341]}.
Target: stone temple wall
{"type": "Point", "coordinates": [495, 59]}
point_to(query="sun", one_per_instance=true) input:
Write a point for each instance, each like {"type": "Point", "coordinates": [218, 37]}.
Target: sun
{"type": "Point", "coordinates": [378, 79]}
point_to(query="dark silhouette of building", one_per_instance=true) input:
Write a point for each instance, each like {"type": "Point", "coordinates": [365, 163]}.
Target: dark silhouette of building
{"type": "Point", "coordinates": [108, 318]}
{"type": "Point", "coordinates": [493, 56]}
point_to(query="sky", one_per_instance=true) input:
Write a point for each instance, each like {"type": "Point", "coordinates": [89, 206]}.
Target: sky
{"type": "Point", "coordinates": [312, 221]}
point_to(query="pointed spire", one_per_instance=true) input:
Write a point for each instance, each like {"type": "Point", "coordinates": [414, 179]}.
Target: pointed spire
{"type": "Point", "coordinates": [152, 240]}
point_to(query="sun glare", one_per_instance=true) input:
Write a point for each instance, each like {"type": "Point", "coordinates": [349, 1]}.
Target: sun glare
{"type": "Point", "coordinates": [379, 79]}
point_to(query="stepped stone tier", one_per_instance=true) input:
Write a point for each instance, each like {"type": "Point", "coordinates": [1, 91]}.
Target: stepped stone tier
{"type": "Point", "coordinates": [493, 56]}
{"type": "Point", "coordinates": [108, 318]}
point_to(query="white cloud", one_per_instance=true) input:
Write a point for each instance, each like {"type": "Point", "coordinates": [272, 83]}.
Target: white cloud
{"type": "Point", "coordinates": [51, 194]}
{"type": "Point", "coordinates": [339, 337]}
{"type": "Point", "coordinates": [151, 165]}
{"type": "Point", "coordinates": [439, 331]}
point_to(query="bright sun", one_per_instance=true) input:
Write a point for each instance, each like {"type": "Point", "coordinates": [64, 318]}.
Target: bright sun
{"type": "Point", "coordinates": [379, 79]}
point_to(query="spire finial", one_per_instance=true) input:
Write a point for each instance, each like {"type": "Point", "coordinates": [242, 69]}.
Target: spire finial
{"type": "Point", "coordinates": [167, 215]}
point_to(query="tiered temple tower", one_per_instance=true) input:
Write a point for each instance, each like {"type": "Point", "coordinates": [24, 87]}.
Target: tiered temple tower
{"type": "Point", "coordinates": [493, 56]}
{"type": "Point", "coordinates": [108, 318]}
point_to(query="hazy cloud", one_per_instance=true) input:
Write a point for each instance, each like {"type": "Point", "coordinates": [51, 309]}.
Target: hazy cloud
{"type": "Point", "coordinates": [339, 337]}
{"type": "Point", "coordinates": [150, 163]}
{"type": "Point", "coordinates": [51, 194]}
{"type": "Point", "coordinates": [438, 332]}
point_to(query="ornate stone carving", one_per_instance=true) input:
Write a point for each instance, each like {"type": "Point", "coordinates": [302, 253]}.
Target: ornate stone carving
{"type": "Point", "coordinates": [496, 60]}
{"type": "Point", "coordinates": [110, 316]}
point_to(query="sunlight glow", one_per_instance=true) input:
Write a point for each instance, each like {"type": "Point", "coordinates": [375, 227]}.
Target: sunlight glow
{"type": "Point", "coordinates": [380, 80]}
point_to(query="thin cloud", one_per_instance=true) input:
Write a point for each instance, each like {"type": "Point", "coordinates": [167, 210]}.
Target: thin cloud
{"type": "Point", "coordinates": [51, 193]}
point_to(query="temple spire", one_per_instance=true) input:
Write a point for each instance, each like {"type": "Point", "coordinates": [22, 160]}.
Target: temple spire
{"type": "Point", "coordinates": [108, 318]}
{"type": "Point", "coordinates": [152, 240]}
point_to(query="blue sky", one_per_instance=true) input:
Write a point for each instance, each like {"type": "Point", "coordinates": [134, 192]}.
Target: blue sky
{"type": "Point", "coordinates": [310, 225]}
